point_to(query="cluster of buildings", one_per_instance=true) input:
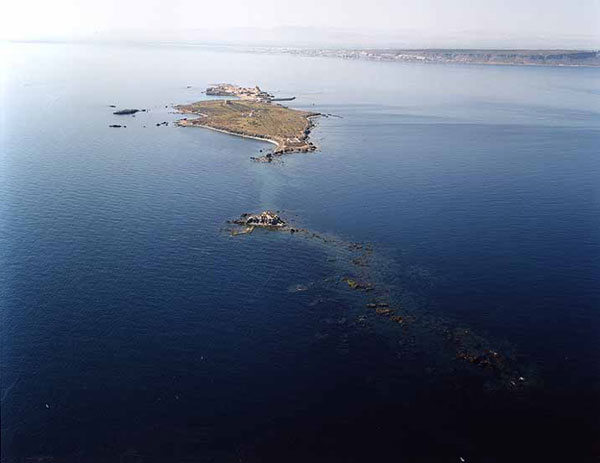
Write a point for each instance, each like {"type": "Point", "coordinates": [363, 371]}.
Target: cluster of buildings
{"type": "Point", "coordinates": [243, 93]}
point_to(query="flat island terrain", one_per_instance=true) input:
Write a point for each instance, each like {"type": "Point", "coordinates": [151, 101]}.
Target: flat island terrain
{"type": "Point", "coordinates": [252, 117]}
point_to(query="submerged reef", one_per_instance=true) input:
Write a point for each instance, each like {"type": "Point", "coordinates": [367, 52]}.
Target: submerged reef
{"type": "Point", "coordinates": [361, 280]}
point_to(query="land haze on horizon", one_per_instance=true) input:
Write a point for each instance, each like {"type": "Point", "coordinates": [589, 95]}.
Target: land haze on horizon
{"type": "Point", "coordinates": [467, 45]}
{"type": "Point", "coordinates": [308, 37]}
{"type": "Point", "coordinates": [589, 57]}
{"type": "Point", "coordinates": [546, 24]}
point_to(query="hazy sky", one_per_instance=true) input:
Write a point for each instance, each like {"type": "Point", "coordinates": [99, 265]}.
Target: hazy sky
{"type": "Point", "coordinates": [424, 19]}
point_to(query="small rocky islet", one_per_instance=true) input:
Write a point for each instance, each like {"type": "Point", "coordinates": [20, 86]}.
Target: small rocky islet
{"type": "Point", "coordinates": [246, 223]}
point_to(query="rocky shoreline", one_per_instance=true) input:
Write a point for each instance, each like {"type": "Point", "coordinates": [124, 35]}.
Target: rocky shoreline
{"type": "Point", "coordinates": [281, 147]}
{"type": "Point", "coordinates": [287, 148]}
{"type": "Point", "coordinates": [252, 115]}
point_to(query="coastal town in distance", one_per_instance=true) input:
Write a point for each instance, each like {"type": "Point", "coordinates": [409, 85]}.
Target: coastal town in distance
{"type": "Point", "coordinates": [449, 56]}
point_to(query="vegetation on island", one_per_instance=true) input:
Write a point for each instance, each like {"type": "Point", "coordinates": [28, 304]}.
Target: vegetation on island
{"type": "Point", "coordinates": [287, 128]}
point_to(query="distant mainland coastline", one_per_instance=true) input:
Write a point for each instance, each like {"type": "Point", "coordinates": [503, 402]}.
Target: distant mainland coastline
{"type": "Point", "coordinates": [589, 58]}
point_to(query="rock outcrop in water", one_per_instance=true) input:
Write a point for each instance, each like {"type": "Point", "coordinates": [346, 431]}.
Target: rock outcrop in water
{"type": "Point", "coordinates": [267, 219]}
{"type": "Point", "coordinates": [124, 112]}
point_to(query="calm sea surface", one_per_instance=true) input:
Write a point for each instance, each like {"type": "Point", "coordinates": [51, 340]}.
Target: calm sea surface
{"type": "Point", "coordinates": [135, 329]}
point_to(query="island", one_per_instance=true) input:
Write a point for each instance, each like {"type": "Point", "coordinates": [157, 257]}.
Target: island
{"type": "Point", "coordinates": [252, 114]}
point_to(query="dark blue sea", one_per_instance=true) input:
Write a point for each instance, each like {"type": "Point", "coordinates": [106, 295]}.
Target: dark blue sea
{"type": "Point", "coordinates": [134, 328]}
